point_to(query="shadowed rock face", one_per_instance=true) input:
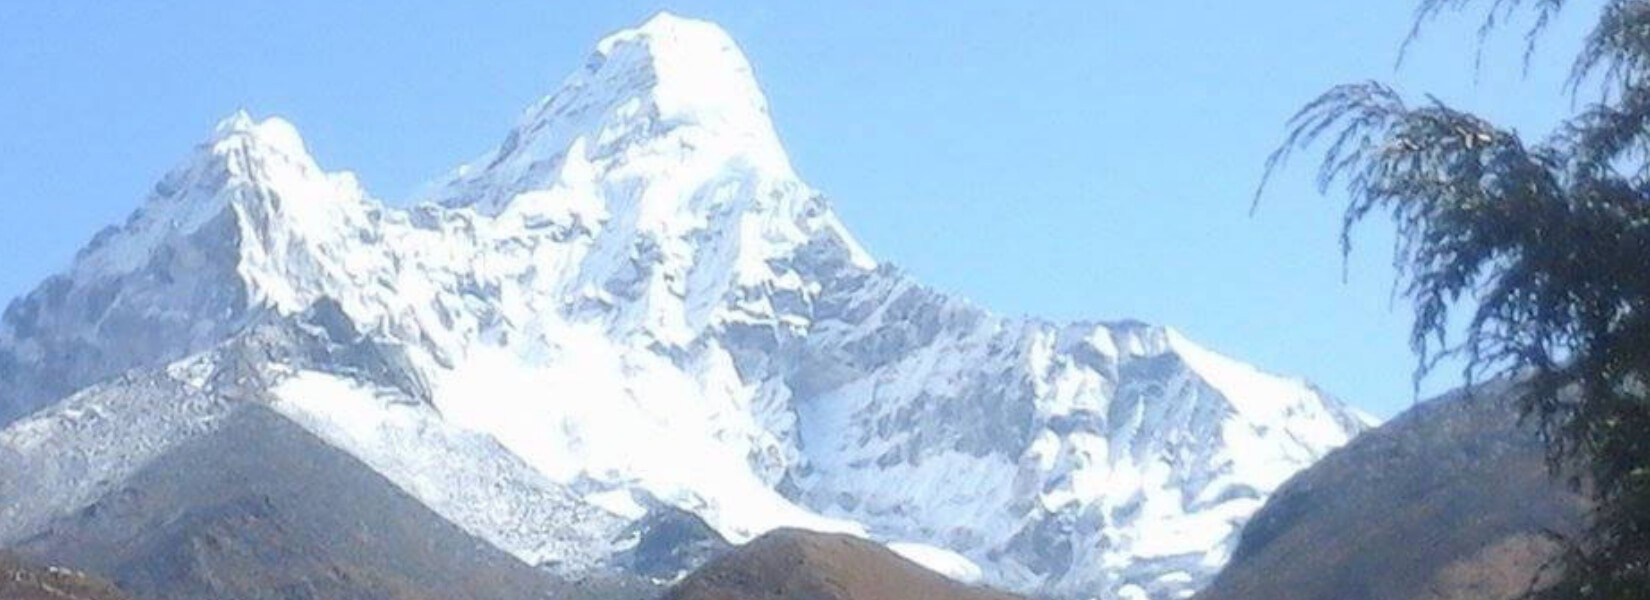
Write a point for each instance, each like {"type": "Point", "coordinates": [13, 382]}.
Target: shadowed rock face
{"type": "Point", "coordinates": [792, 564]}
{"type": "Point", "coordinates": [670, 543]}
{"type": "Point", "coordinates": [194, 277]}
{"type": "Point", "coordinates": [262, 509]}
{"type": "Point", "coordinates": [1448, 501]}
{"type": "Point", "coordinates": [20, 580]}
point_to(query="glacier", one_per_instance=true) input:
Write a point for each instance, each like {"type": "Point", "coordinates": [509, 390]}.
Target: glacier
{"type": "Point", "coordinates": [635, 302]}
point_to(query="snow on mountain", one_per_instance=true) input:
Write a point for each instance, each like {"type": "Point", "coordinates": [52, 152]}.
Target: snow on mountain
{"type": "Point", "coordinates": [633, 302]}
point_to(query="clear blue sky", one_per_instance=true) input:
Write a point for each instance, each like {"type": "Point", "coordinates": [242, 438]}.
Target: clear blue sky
{"type": "Point", "coordinates": [1069, 159]}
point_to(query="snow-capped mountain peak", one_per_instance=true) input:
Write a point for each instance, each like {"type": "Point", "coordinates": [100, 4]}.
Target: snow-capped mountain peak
{"type": "Point", "coordinates": [674, 94]}
{"type": "Point", "coordinates": [271, 135]}
{"type": "Point", "coordinates": [698, 74]}
{"type": "Point", "coordinates": [634, 304]}
{"type": "Point", "coordinates": [247, 221]}
{"type": "Point", "coordinates": [258, 169]}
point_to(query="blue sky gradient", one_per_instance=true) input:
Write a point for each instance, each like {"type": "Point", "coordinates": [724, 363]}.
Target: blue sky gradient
{"type": "Point", "coordinates": [1069, 159]}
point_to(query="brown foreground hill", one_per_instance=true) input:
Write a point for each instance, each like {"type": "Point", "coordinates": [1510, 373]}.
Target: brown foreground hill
{"type": "Point", "coordinates": [20, 580]}
{"type": "Point", "coordinates": [261, 509]}
{"type": "Point", "coordinates": [1449, 501]}
{"type": "Point", "coordinates": [792, 564]}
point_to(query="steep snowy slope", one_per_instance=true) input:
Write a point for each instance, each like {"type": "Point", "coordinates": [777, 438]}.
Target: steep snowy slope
{"type": "Point", "coordinates": [634, 305]}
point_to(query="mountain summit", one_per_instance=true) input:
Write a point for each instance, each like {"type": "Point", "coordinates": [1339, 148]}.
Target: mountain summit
{"type": "Point", "coordinates": [629, 311]}
{"type": "Point", "coordinates": [675, 92]}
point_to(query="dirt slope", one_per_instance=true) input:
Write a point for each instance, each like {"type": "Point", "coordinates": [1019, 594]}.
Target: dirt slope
{"type": "Point", "coordinates": [792, 564]}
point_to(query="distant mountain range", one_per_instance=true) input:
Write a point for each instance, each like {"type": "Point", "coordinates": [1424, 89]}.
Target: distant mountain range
{"type": "Point", "coordinates": [622, 342]}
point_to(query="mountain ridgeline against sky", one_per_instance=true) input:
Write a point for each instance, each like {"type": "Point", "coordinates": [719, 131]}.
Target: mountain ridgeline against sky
{"type": "Point", "coordinates": [633, 308]}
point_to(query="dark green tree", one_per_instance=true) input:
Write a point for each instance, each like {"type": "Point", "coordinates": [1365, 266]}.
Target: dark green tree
{"type": "Point", "coordinates": [1544, 244]}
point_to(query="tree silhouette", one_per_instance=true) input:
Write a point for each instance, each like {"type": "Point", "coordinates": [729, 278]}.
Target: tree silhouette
{"type": "Point", "coordinates": [1545, 244]}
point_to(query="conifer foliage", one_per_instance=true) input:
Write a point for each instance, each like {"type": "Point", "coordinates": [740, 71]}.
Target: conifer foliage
{"type": "Point", "coordinates": [1543, 245]}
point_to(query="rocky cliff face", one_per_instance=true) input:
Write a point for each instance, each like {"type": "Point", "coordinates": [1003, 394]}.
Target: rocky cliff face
{"type": "Point", "coordinates": [635, 305]}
